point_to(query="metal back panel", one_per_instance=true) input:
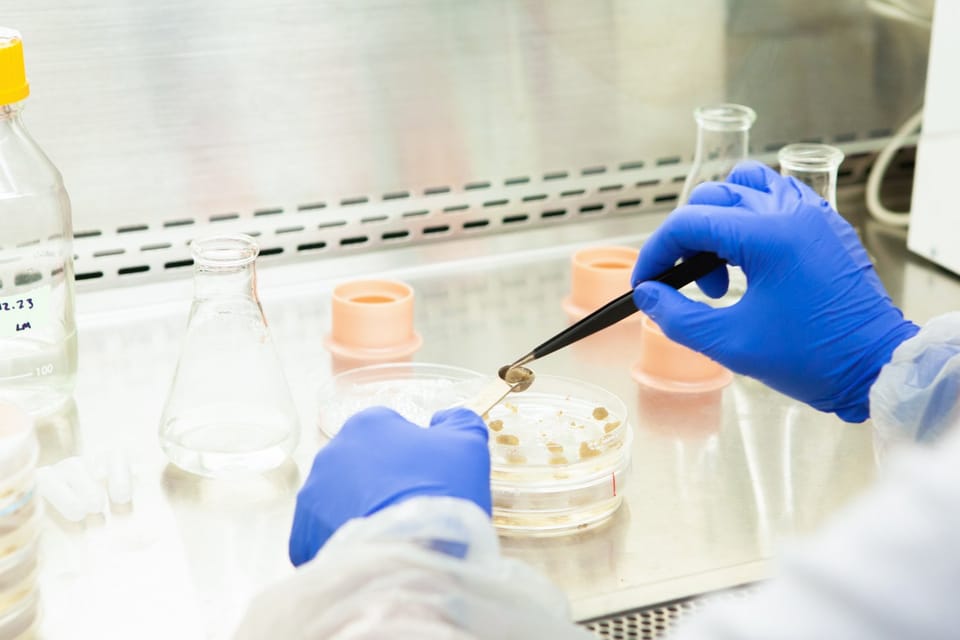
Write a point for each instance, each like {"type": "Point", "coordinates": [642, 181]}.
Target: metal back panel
{"type": "Point", "coordinates": [206, 109]}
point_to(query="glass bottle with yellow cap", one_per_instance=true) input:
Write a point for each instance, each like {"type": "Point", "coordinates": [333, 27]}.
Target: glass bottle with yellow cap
{"type": "Point", "coordinates": [38, 344]}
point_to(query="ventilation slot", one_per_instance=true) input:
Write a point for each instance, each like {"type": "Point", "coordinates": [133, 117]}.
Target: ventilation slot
{"type": "Point", "coordinates": [267, 212]}
{"type": "Point", "coordinates": [224, 216]}
{"type": "Point", "coordinates": [475, 224]}
{"type": "Point", "coordinates": [182, 222]}
{"type": "Point", "coordinates": [394, 235]}
{"type": "Point", "coordinates": [652, 623]}
{"type": "Point", "coordinates": [345, 242]}
{"type": "Point", "coordinates": [591, 208]}
{"type": "Point", "coordinates": [441, 228]}
{"type": "Point", "coordinates": [517, 218]}
{"type": "Point", "coordinates": [177, 264]}
{"type": "Point", "coordinates": [311, 246]}
{"type": "Point", "coordinates": [128, 270]}
{"type": "Point", "coordinates": [108, 252]}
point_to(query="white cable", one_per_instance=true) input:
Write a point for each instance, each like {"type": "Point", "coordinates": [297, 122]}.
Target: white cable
{"type": "Point", "coordinates": [875, 179]}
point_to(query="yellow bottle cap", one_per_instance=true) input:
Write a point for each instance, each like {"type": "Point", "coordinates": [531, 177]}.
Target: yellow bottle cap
{"type": "Point", "coordinates": [13, 74]}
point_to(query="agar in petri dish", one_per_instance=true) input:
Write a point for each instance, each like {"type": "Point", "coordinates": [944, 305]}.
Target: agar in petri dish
{"type": "Point", "coordinates": [560, 451]}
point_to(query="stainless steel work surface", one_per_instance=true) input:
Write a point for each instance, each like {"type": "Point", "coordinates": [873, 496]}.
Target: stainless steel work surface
{"type": "Point", "coordinates": [715, 489]}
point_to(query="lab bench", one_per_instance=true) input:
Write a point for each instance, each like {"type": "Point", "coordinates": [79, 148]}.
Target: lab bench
{"type": "Point", "coordinates": [719, 483]}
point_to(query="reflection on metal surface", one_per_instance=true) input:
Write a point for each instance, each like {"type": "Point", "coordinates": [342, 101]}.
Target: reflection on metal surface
{"type": "Point", "coordinates": [190, 110]}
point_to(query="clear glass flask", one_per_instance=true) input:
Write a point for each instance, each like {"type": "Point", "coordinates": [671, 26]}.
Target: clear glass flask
{"type": "Point", "coordinates": [815, 165]}
{"type": "Point", "coordinates": [723, 140]}
{"type": "Point", "coordinates": [38, 338]}
{"type": "Point", "coordinates": [229, 408]}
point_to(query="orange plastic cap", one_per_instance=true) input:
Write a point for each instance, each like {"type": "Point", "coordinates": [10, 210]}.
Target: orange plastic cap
{"type": "Point", "coordinates": [373, 320]}
{"type": "Point", "coordinates": [668, 366]}
{"type": "Point", "coordinates": [598, 275]}
{"type": "Point", "coordinates": [13, 74]}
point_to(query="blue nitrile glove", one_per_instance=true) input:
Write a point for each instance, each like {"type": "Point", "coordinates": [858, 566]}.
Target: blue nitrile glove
{"type": "Point", "coordinates": [815, 322]}
{"type": "Point", "coordinates": [379, 459]}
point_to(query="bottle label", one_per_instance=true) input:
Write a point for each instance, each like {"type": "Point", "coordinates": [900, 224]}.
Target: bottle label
{"type": "Point", "coordinates": [25, 313]}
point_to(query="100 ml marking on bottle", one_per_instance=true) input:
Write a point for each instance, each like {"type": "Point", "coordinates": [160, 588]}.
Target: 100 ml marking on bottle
{"type": "Point", "coordinates": [24, 313]}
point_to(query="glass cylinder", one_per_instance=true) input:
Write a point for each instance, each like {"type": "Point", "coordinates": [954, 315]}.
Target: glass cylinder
{"type": "Point", "coordinates": [38, 339]}
{"type": "Point", "coordinates": [229, 408]}
{"type": "Point", "coordinates": [815, 165]}
{"type": "Point", "coordinates": [723, 140]}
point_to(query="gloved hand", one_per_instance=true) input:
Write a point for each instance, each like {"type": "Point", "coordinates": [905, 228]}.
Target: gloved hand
{"type": "Point", "coordinates": [379, 459]}
{"type": "Point", "coordinates": [815, 322]}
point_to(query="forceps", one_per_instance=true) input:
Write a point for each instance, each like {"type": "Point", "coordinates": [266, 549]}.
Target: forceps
{"type": "Point", "coordinates": [515, 377]}
{"type": "Point", "coordinates": [678, 276]}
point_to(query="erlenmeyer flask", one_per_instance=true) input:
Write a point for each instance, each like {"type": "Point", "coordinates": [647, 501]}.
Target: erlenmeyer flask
{"type": "Point", "coordinates": [229, 408]}
{"type": "Point", "coordinates": [723, 140]}
{"type": "Point", "coordinates": [815, 165]}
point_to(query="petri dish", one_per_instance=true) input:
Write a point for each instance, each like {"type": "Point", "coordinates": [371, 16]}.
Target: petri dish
{"type": "Point", "coordinates": [18, 576]}
{"type": "Point", "coordinates": [412, 389]}
{"type": "Point", "coordinates": [19, 622]}
{"type": "Point", "coordinates": [560, 451]}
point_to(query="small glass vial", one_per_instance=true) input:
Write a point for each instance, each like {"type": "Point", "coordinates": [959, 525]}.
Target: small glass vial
{"type": "Point", "coordinates": [38, 339]}
{"type": "Point", "coordinates": [229, 408]}
{"type": "Point", "coordinates": [723, 140]}
{"type": "Point", "coordinates": [815, 165]}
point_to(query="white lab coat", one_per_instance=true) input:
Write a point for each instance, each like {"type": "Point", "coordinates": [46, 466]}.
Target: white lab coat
{"type": "Point", "coordinates": [887, 567]}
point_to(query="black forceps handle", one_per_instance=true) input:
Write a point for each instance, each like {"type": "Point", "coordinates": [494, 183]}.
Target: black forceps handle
{"type": "Point", "coordinates": [678, 276]}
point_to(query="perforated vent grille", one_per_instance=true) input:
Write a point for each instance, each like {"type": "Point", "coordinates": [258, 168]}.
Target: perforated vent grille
{"type": "Point", "coordinates": [657, 621]}
{"type": "Point", "coordinates": [158, 250]}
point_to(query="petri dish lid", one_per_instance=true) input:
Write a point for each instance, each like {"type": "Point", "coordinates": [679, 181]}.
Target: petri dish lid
{"type": "Point", "coordinates": [560, 432]}
{"type": "Point", "coordinates": [18, 442]}
{"type": "Point", "coordinates": [414, 390]}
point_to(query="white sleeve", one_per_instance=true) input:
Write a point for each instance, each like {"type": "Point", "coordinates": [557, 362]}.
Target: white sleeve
{"type": "Point", "coordinates": [915, 397]}
{"type": "Point", "coordinates": [887, 567]}
{"type": "Point", "coordinates": [428, 568]}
